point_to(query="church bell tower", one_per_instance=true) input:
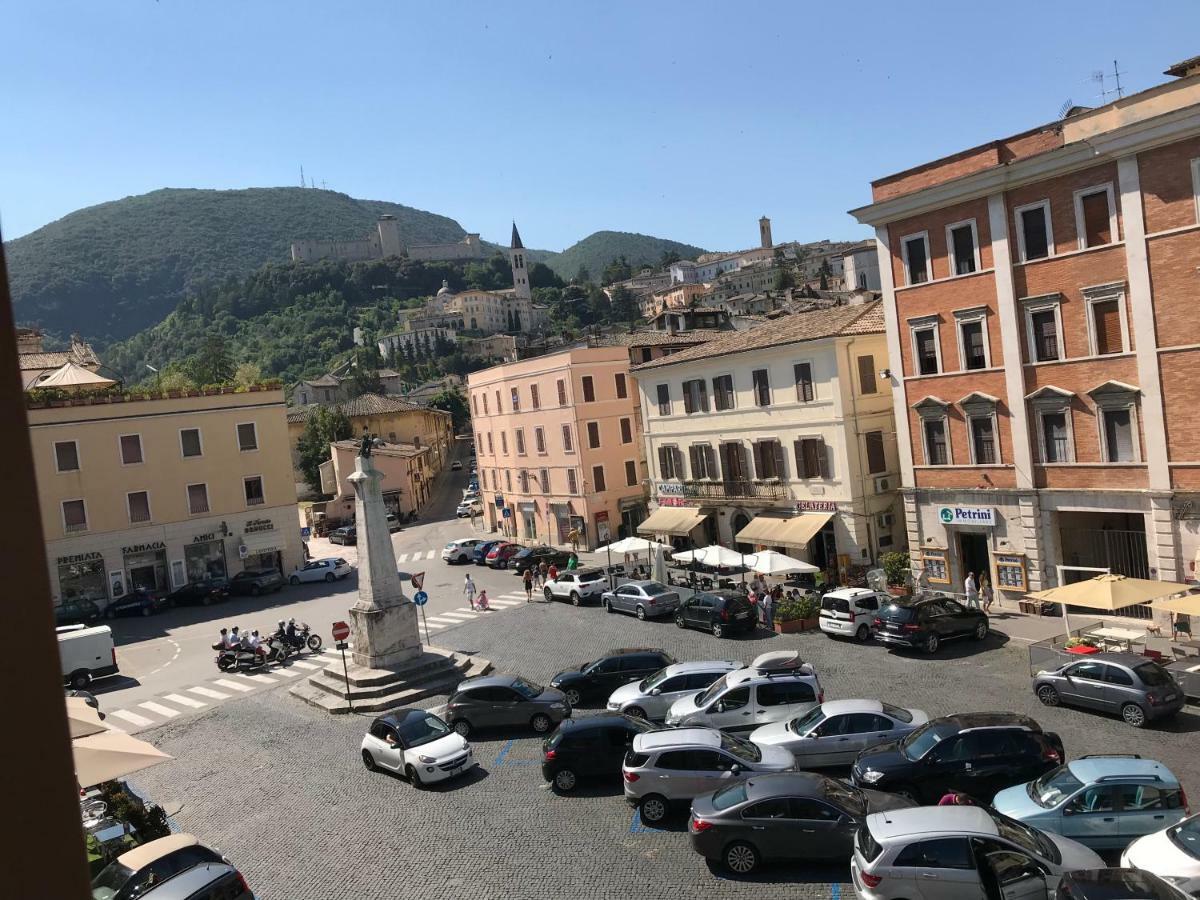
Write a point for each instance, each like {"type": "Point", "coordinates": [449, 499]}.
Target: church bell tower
{"type": "Point", "coordinates": [516, 258]}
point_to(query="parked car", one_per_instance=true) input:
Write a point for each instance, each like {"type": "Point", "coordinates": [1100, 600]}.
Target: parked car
{"type": "Point", "coordinates": [134, 871]}
{"type": "Point", "coordinates": [256, 581]}
{"type": "Point", "coordinates": [651, 698]}
{"type": "Point", "coordinates": [1172, 853]}
{"type": "Point", "coordinates": [850, 612]}
{"type": "Point", "coordinates": [791, 815]}
{"type": "Point", "coordinates": [79, 611]}
{"type": "Point", "coordinates": [1136, 688]}
{"type": "Point", "coordinates": [645, 599]}
{"type": "Point", "coordinates": [775, 687]}
{"type": "Point", "coordinates": [328, 569]}
{"type": "Point", "coordinates": [924, 623]}
{"type": "Point", "coordinates": [1116, 884]}
{"type": "Point", "coordinates": [590, 748]}
{"type": "Point", "coordinates": [505, 701]}
{"type": "Point", "coordinates": [1103, 801]}
{"type": "Point", "coordinates": [482, 549]}
{"type": "Point", "coordinates": [347, 535]}
{"type": "Point", "coordinates": [954, 851]}
{"type": "Point", "coordinates": [534, 556]}
{"type": "Point", "coordinates": [679, 764]}
{"type": "Point", "coordinates": [138, 602]}
{"type": "Point", "coordinates": [460, 551]}
{"type": "Point", "coordinates": [724, 613]}
{"type": "Point", "coordinates": [977, 754]}
{"type": "Point", "coordinates": [199, 593]}
{"type": "Point", "coordinates": [469, 508]}
{"type": "Point", "coordinates": [456, 465]}
{"type": "Point", "coordinates": [207, 881]}
{"type": "Point", "coordinates": [418, 745]}
{"type": "Point", "coordinates": [600, 677]}
{"type": "Point", "coordinates": [86, 653]}
{"type": "Point", "coordinates": [500, 554]}
{"type": "Point", "coordinates": [577, 585]}
{"type": "Point", "coordinates": [834, 733]}
{"type": "Point", "coordinates": [393, 523]}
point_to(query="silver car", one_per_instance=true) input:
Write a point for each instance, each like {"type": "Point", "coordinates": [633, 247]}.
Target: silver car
{"type": "Point", "coordinates": [1136, 688]}
{"type": "Point", "coordinates": [835, 733]}
{"type": "Point", "coordinates": [651, 697]}
{"type": "Point", "coordinates": [645, 599]}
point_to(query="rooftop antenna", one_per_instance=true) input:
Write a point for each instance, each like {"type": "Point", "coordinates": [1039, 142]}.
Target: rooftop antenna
{"type": "Point", "coordinates": [1098, 77]}
{"type": "Point", "coordinates": [1065, 108]}
{"type": "Point", "coordinates": [301, 174]}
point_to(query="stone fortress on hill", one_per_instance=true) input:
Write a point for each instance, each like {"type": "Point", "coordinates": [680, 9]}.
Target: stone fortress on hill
{"type": "Point", "coordinates": [385, 241]}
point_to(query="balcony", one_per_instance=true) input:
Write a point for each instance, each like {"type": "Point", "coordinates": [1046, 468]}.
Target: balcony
{"type": "Point", "coordinates": [735, 490]}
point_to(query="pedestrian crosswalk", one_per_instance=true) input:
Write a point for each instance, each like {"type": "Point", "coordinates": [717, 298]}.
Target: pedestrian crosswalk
{"type": "Point", "coordinates": [464, 614]}
{"type": "Point", "coordinates": [415, 557]}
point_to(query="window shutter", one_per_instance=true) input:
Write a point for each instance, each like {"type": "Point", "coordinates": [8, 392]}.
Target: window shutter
{"type": "Point", "coordinates": [804, 385]}
{"type": "Point", "coordinates": [777, 448]}
{"type": "Point", "coordinates": [1107, 321]}
{"type": "Point", "coordinates": [664, 463]}
{"type": "Point", "coordinates": [1097, 228]}
{"type": "Point", "coordinates": [711, 455]}
{"type": "Point", "coordinates": [866, 374]}
{"type": "Point", "coordinates": [688, 404]}
{"type": "Point", "coordinates": [703, 398]}
{"type": "Point", "coordinates": [825, 469]}
{"type": "Point", "coordinates": [801, 467]}
{"type": "Point", "coordinates": [692, 457]}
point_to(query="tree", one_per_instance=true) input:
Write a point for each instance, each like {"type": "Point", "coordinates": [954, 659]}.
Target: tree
{"type": "Point", "coordinates": [784, 279]}
{"type": "Point", "coordinates": [623, 308]}
{"type": "Point", "coordinates": [824, 281]}
{"type": "Point", "coordinates": [453, 402]}
{"type": "Point", "coordinates": [210, 364]}
{"type": "Point", "coordinates": [668, 257]}
{"type": "Point", "coordinates": [582, 276]}
{"type": "Point", "coordinates": [541, 275]}
{"type": "Point", "coordinates": [247, 374]}
{"type": "Point", "coordinates": [364, 381]}
{"type": "Point", "coordinates": [323, 427]}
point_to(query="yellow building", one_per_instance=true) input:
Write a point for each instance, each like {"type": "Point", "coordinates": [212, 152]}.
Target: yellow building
{"type": "Point", "coordinates": [159, 492]}
{"type": "Point", "coordinates": [406, 480]}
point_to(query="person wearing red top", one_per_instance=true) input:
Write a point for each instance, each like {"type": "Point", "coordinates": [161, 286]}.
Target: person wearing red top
{"type": "Point", "coordinates": [552, 572]}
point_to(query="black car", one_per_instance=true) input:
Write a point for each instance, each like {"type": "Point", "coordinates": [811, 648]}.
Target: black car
{"type": "Point", "coordinates": [138, 602]}
{"type": "Point", "coordinates": [347, 536]}
{"type": "Point", "coordinates": [925, 622]}
{"type": "Point", "coordinates": [976, 754]}
{"type": "Point", "coordinates": [256, 581]}
{"type": "Point", "coordinates": [589, 748]}
{"type": "Point", "coordinates": [792, 815]}
{"type": "Point", "coordinates": [724, 613]}
{"type": "Point", "coordinates": [79, 611]}
{"type": "Point", "coordinates": [199, 593]}
{"type": "Point", "coordinates": [1115, 884]}
{"type": "Point", "coordinates": [532, 557]}
{"type": "Point", "coordinates": [601, 677]}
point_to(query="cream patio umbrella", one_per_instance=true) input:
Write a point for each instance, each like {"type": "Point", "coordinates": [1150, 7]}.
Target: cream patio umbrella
{"type": "Point", "coordinates": [112, 754]}
{"type": "Point", "coordinates": [1108, 593]}
{"type": "Point", "coordinates": [712, 555]}
{"type": "Point", "coordinates": [636, 546]}
{"type": "Point", "coordinates": [83, 719]}
{"type": "Point", "coordinates": [1189, 605]}
{"type": "Point", "coordinates": [771, 562]}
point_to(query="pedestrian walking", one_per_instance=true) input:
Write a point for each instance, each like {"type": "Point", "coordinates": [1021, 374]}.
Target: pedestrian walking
{"type": "Point", "coordinates": [986, 595]}
{"type": "Point", "coordinates": [542, 571]}
{"type": "Point", "coordinates": [552, 572]}
{"type": "Point", "coordinates": [573, 538]}
{"type": "Point", "coordinates": [768, 609]}
{"type": "Point", "coordinates": [573, 561]}
{"type": "Point", "coordinates": [971, 591]}
{"type": "Point", "coordinates": [469, 591]}
{"type": "Point", "coordinates": [528, 577]}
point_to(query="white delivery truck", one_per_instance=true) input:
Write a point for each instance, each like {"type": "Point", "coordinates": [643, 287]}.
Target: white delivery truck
{"type": "Point", "coordinates": [86, 653]}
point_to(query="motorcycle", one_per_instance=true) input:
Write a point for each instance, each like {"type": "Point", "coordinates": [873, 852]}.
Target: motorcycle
{"type": "Point", "coordinates": [278, 649]}
{"type": "Point", "coordinates": [238, 658]}
{"type": "Point", "coordinates": [304, 639]}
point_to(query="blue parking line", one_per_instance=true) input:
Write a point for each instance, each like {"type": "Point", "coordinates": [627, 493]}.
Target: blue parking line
{"type": "Point", "coordinates": [836, 892]}
{"type": "Point", "coordinates": [636, 826]}
{"type": "Point", "coordinates": [504, 752]}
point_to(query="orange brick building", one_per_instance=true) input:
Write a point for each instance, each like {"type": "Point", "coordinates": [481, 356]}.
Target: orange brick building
{"type": "Point", "coordinates": [1040, 295]}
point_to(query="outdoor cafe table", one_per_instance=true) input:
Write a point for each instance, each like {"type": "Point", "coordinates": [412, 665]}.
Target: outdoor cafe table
{"type": "Point", "coordinates": [1126, 636]}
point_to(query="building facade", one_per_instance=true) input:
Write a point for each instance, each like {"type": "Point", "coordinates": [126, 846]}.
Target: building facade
{"type": "Point", "coordinates": [385, 241]}
{"type": "Point", "coordinates": [860, 267]}
{"type": "Point", "coordinates": [1040, 297]}
{"type": "Point", "coordinates": [779, 436]}
{"type": "Point", "coordinates": [158, 493]}
{"type": "Point", "coordinates": [558, 445]}
{"type": "Point", "coordinates": [407, 477]}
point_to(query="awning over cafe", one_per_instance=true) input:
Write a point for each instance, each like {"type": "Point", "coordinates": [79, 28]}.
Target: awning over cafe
{"type": "Point", "coordinates": [804, 528]}
{"type": "Point", "coordinates": [677, 521]}
{"type": "Point", "coordinates": [764, 530]}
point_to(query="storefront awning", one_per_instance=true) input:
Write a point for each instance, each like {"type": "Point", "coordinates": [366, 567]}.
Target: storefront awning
{"type": "Point", "coordinates": [263, 542]}
{"type": "Point", "coordinates": [803, 528]}
{"type": "Point", "coordinates": [677, 521]}
{"type": "Point", "coordinates": [765, 530]}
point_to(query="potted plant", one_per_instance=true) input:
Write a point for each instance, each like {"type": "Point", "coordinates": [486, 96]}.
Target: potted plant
{"type": "Point", "coordinates": [799, 614]}
{"type": "Point", "coordinates": [897, 568]}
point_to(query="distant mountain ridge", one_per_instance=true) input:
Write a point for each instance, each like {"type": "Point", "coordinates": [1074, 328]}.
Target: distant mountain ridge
{"type": "Point", "coordinates": [597, 250]}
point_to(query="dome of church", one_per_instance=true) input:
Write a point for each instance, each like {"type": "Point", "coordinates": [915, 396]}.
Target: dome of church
{"type": "Point", "coordinates": [444, 289]}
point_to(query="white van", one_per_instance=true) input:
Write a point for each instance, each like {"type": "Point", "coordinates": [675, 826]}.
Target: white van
{"type": "Point", "coordinates": [849, 612]}
{"type": "Point", "coordinates": [86, 653]}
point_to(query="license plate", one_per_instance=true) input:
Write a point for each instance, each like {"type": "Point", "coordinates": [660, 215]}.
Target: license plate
{"type": "Point", "coordinates": [741, 615]}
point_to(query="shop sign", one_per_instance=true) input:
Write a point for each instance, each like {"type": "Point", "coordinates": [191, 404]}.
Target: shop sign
{"type": "Point", "coordinates": [79, 558]}
{"type": "Point", "coordinates": [672, 501]}
{"type": "Point", "coordinates": [670, 489]}
{"type": "Point", "coordinates": [143, 548]}
{"type": "Point", "coordinates": [816, 506]}
{"type": "Point", "coordinates": [205, 538]}
{"type": "Point", "coordinates": [967, 515]}
{"type": "Point", "coordinates": [256, 525]}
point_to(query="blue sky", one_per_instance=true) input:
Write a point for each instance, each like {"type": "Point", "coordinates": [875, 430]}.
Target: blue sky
{"type": "Point", "coordinates": [687, 120]}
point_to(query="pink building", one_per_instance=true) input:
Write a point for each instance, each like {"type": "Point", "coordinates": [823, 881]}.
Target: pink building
{"type": "Point", "coordinates": [559, 446]}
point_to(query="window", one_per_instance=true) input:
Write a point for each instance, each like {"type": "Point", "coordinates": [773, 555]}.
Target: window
{"type": "Point", "coordinates": [1044, 331]}
{"type": "Point", "coordinates": [475, 403]}
{"type": "Point", "coordinates": [915, 250]}
{"type": "Point", "coordinates": [598, 479]}
{"type": "Point", "coordinates": [253, 488]}
{"type": "Point", "coordinates": [670, 463]}
{"type": "Point", "coordinates": [983, 440]}
{"type": "Point", "coordinates": [197, 495]}
{"type": "Point", "coordinates": [866, 375]}
{"type": "Point", "coordinates": [499, 408]}
{"type": "Point", "coordinates": [562, 392]}
{"type": "Point", "coordinates": [189, 441]}
{"type": "Point", "coordinates": [1095, 216]}
{"type": "Point", "coordinates": [1118, 435]}
{"type": "Point", "coordinates": [664, 399]}
{"type": "Point", "coordinates": [523, 481]}
{"type": "Point", "coordinates": [804, 381]}
{"type": "Point", "coordinates": [1034, 235]}
{"type": "Point", "coordinates": [131, 449]}
{"type": "Point", "coordinates": [520, 436]}
{"type": "Point", "coordinates": [66, 456]}
{"type": "Point", "coordinates": [589, 390]}
{"type": "Point", "coordinates": [504, 442]}
{"type": "Point", "coordinates": [768, 459]}
{"type": "Point", "coordinates": [631, 478]}
{"type": "Point", "coordinates": [940, 853]}
{"type": "Point", "coordinates": [723, 392]}
{"type": "Point", "coordinates": [762, 387]}
{"type": "Point", "coordinates": [926, 348]}
{"type": "Point", "coordinates": [138, 504]}
{"type": "Point", "coordinates": [247, 435]}
{"type": "Point", "coordinates": [568, 444]}
{"type": "Point", "coordinates": [539, 439]}
{"type": "Point", "coordinates": [936, 451]}
{"type": "Point", "coordinates": [811, 458]}
{"type": "Point", "coordinates": [647, 354]}
{"type": "Point", "coordinates": [876, 459]}
{"type": "Point", "coordinates": [622, 388]}
{"type": "Point", "coordinates": [545, 480]}
{"type": "Point", "coordinates": [572, 482]}
{"type": "Point", "coordinates": [1107, 331]}
{"type": "Point", "coordinates": [704, 462]}
{"type": "Point", "coordinates": [695, 396]}
{"type": "Point", "coordinates": [593, 432]}
{"type": "Point", "coordinates": [733, 461]}
{"type": "Point", "coordinates": [1056, 442]}
{"type": "Point", "coordinates": [515, 396]}
{"type": "Point", "coordinates": [626, 431]}
{"type": "Point", "coordinates": [491, 447]}
{"type": "Point", "coordinates": [963, 244]}
{"type": "Point", "coordinates": [785, 693]}
{"type": "Point", "coordinates": [485, 404]}
{"type": "Point", "coordinates": [534, 400]}
{"type": "Point", "coordinates": [508, 480]}
{"type": "Point", "coordinates": [74, 515]}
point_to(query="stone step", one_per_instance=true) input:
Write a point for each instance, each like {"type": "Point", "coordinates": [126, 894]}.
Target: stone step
{"type": "Point", "coordinates": [430, 661]}
{"type": "Point", "coordinates": [334, 683]}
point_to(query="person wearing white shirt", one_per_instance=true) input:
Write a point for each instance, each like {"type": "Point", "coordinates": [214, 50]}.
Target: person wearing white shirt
{"type": "Point", "coordinates": [971, 591]}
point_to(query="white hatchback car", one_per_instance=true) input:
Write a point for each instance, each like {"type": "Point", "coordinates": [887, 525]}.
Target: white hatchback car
{"type": "Point", "coordinates": [577, 585]}
{"type": "Point", "coordinates": [330, 569]}
{"type": "Point", "coordinates": [418, 745]}
{"type": "Point", "coordinates": [652, 697]}
{"type": "Point", "coordinates": [460, 551]}
{"type": "Point", "coordinates": [849, 612]}
{"type": "Point", "coordinates": [1172, 854]}
{"type": "Point", "coordinates": [774, 688]}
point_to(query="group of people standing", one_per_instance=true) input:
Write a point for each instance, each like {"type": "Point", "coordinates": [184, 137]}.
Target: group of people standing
{"type": "Point", "coordinates": [765, 598]}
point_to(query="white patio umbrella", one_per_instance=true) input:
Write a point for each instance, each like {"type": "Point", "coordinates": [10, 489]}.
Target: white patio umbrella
{"type": "Point", "coordinates": [633, 545]}
{"type": "Point", "coordinates": [712, 555]}
{"type": "Point", "coordinates": [770, 562]}
{"type": "Point", "coordinates": [83, 719]}
{"type": "Point", "coordinates": [112, 754]}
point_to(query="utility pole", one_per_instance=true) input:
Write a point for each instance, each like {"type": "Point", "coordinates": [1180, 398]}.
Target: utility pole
{"type": "Point", "coordinates": [302, 184]}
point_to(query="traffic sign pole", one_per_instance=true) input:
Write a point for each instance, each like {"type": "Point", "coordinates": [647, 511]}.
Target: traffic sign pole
{"type": "Point", "coordinates": [426, 621]}
{"type": "Point", "coordinates": [341, 631]}
{"type": "Point", "coordinates": [420, 598]}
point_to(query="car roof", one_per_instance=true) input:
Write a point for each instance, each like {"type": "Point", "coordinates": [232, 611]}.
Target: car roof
{"type": "Point", "coordinates": [1125, 659]}
{"type": "Point", "coordinates": [947, 820]}
{"type": "Point", "coordinates": [140, 857]}
{"type": "Point", "coordinates": [841, 707]}
{"type": "Point", "coordinates": [1100, 767]}
{"type": "Point", "coordinates": [1120, 884]}
{"type": "Point", "coordinates": [184, 885]}
{"type": "Point", "coordinates": [623, 651]}
{"type": "Point", "coordinates": [326, 559]}
{"type": "Point", "coordinates": [642, 582]}
{"type": "Point", "coordinates": [650, 741]}
{"type": "Point", "coordinates": [704, 665]}
{"type": "Point", "coordinates": [602, 719]}
{"type": "Point", "coordinates": [589, 570]}
{"type": "Point", "coordinates": [963, 721]}
{"type": "Point", "coordinates": [500, 680]}
{"type": "Point", "coordinates": [851, 593]}
{"type": "Point", "coordinates": [787, 784]}
{"type": "Point", "coordinates": [726, 594]}
{"type": "Point", "coordinates": [397, 717]}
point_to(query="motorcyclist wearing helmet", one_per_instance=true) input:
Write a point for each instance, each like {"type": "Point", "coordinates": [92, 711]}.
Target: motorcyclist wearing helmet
{"type": "Point", "coordinates": [291, 633]}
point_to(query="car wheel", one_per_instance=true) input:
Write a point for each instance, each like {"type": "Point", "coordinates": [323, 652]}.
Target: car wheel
{"type": "Point", "coordinates": [1133, 715]}
{"type": "Point", "coordinates": [549, 596]}
{"type": "Point", "coordinates": [329, 576]}
{"type": "Point", "coordinates": [863, 634]}
{"type": "Point", "coordinates": [981, 631]}
{"type": "Point", "coordinates": [573, 696]}
{"type": "Point", "coordinates": [254, 591]}
{"type": "Point", "coordinates": [718, 630]}
{"type": "Point", "coordinates": [462, 727]}
{"type": "Point", "coordinates": [654, 809]}
{"type": "Point", "coordinates": [206, 600]}
{"type": "Point", "coordinates": [607, 604]}
{"type": "Point", "coordinates": [414, 778]}
{"type": "Point", "coordinates": [541, 723]}
{"type": "Point", "coordinates": [636, 711]}
{"type": "Point", "coordinates": [80, 680]}
{"type": "Point", "coordinates": [564, 781]}
{"type": "Point", "coordinates": [740, 858]}
{"type": "Point", "coordinates": [641, 613]}
{"type": "Point", "coordinates": [369, 762]}
{"type": "Point", "coordinates": [293, 580]}
{"type": "Point", "coordinates": [932, 643]}
{"type": "Point", "coordinates": [680, 622]}
{"type": "Point", "coordinates": [574, 598]}
{"type": "Point", "coordinates": [1048, 695]}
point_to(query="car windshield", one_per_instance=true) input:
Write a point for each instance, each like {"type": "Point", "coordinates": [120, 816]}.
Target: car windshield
{"type": "Point", "coordinates": [739, 747]}
{"type": "Point", "coordinates": [710, 694]}
{"type": "Point", "coordinates": [649, 684]}
{"type": "Point", "coordinates": [900, 715]}
{"type": "Point", "coordinates": [1029, 839]}
{"type": "Point", "coordinates": [729, 796]}
{"type": "Point", "coordinates": [849, 798]}
{"type": "Point", "coordinates": [654, 588]}
{"type": "Point", "coordinates": [417, 731]}
{"type": "Point", "coordinates": [1054, 787]}
{"type": "Point", "coordinates": [1186, 836]}
{"type": "Point", "coordinates": [811, 719]}
{"type": "Point", "coordinates": [527, 689]}
{"type": "Point", "coordinates": [110, 881]}
{"type": "Point", "coordinates": [924, 739]}
{"type": "Point", "coordinates": [1152, 674]}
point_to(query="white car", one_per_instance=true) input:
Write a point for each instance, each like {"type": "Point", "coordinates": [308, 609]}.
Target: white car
{"type": "Point", "coordinates": [469, 508]}
{"type": "Point", "coordinates": [456, 465]}
{"type": "Point", "coordinates": [849, 612]}
{"type": "Point", "coordinates": [577, 585]}
{"type": "Point", "coordinates": [460, 551]}
{"type": "Point", "coordinates": [330, 569]}
{"type": "Point", "coordinates": [1172, 854]}
{"type": "Point", "coordinates": [418, 745]}
{"type": "Point", "coordinates": [775, 687]}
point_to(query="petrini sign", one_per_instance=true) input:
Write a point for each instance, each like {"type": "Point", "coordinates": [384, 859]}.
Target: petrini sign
{"type": "Point", "coordinates": [967, 515]}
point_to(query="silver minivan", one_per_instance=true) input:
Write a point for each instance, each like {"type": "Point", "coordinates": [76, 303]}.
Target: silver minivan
{"type": "Point", "coordinates": [652, 697]}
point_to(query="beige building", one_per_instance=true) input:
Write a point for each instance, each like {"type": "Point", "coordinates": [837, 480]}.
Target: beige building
{"type": "Point", "coordinates": [407, 477]}
{"type": "Point", "coordinates": [558, 444]}
{"type": "Point", "coordinates": [160, 492]}
{"type": "Point", "coordinates": [38, 363]}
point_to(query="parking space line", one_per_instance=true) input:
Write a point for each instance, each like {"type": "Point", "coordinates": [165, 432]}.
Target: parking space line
{"type": "Point", "coordinates": [186, 701]}
{"type": "Point", "coordinates": [225, 682]}
{"type": "Point", "coordinates": [637, 826]}
{"type": "Point", "coordinates": [132, 718]}
{"type": "Point", "coordinates": [205, 692]}
{"type": "Point", "coordinates": [504, 751]}
{"type": "Point", "coordinates": [158, 709]}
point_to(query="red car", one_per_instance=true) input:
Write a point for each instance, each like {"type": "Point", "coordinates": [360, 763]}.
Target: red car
{"type": "Point", "coordinates": [499, 555]}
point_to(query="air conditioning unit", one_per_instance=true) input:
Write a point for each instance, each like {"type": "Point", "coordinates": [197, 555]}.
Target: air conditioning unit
{"type": "Point", "coordinates": [886, 520]}
{"type": "Point", "coordinates": [883, 483]}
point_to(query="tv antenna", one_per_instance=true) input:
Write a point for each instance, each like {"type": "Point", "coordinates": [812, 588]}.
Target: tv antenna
{"type": "Point", "coordinates": [1065, 108]}
{"type": "Point", "coordinates": [1098, 77]}
{"type": "Point", "coordinates": [302, 184]}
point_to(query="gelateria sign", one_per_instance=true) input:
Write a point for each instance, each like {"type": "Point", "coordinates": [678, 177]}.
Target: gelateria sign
{"type": "Point", "coordinates": [967, 515]}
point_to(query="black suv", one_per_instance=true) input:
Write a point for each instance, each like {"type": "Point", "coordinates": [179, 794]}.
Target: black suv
{"type": "Point", "coordinates": [1115, 884]}
{"type": "Point", "coordinates": [927, 621]}
{"type": "Point", "coordinates": [593, 747]}
{"type": "Point", "coordinates": [976, 754]}
{"type": "Point", "coordinates": [202, 593]}
{"type": "Point", "coordinates": [532, 557]}
{"type": "Point", "coordinates": [256, 581]}
{"type": "Point", "coordinates": [600, 678]}
{"type": "Point", "coordinates": [721, 612]}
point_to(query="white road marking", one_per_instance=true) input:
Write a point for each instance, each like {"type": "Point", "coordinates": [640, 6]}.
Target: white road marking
{"type": "Point", "coordinates": [158, 709]}
{"type": "Point", "coordinates": [225, 682]}
{"type": "Point", "coordinates": [504, 604]}
{"type": "Point", "coordinates": [513, 596]}
{"type": "Point", "coordinates": [402, 557]}
{"type": "Point", "coordinates": [174, 657]}
{"type": "Point", "coordinates": [436, 620]}
{"type": "Point", "coordinates": [207, 692]}
{"type": "Point", "coordinates": [282, 671]}
{"type": "Point", "coordinates": [301, 664]}
{"type": "Point", "coordinates": [133, 718]}
{"type": "Point", "coordinates": [261, 679]}
{"type": "Point", "coordinates": [459, 616]}
{"type": "Point", "coordinates": [185, 701]}
{"type": "Point", "coordinates": [429, 555]}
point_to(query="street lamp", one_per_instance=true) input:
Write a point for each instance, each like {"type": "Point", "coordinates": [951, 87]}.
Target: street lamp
{"type": "Point", "coordinates": [157, 377]}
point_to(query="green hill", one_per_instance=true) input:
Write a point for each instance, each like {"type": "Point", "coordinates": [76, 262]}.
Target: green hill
{"type": "Point", "coordinates": [597, 250]}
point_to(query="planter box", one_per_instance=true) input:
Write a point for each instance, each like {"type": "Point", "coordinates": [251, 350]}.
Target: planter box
{"type": "Point", "coordinates": [899, 590]}
{"type": "Point", "coordinates": [793, 625]}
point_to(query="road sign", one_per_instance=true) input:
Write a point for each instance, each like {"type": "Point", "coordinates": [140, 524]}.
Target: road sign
{"type": "Point", "coordinates": [305, 533]}
{"type": "Point", "coordinates": [499, 501]}
{"type": "Point", "coordinates": [507, 512]}
{"type": "Point", "coordinates": [341, 631]}
{"type": "Point", "coordinates": [420, 598]}
{"type": "Point", "coordinates": [418, 580]}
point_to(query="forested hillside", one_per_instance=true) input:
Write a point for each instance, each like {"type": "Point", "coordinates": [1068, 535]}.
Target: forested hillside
{"type": "Point", "coordinates": [597, 250]}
